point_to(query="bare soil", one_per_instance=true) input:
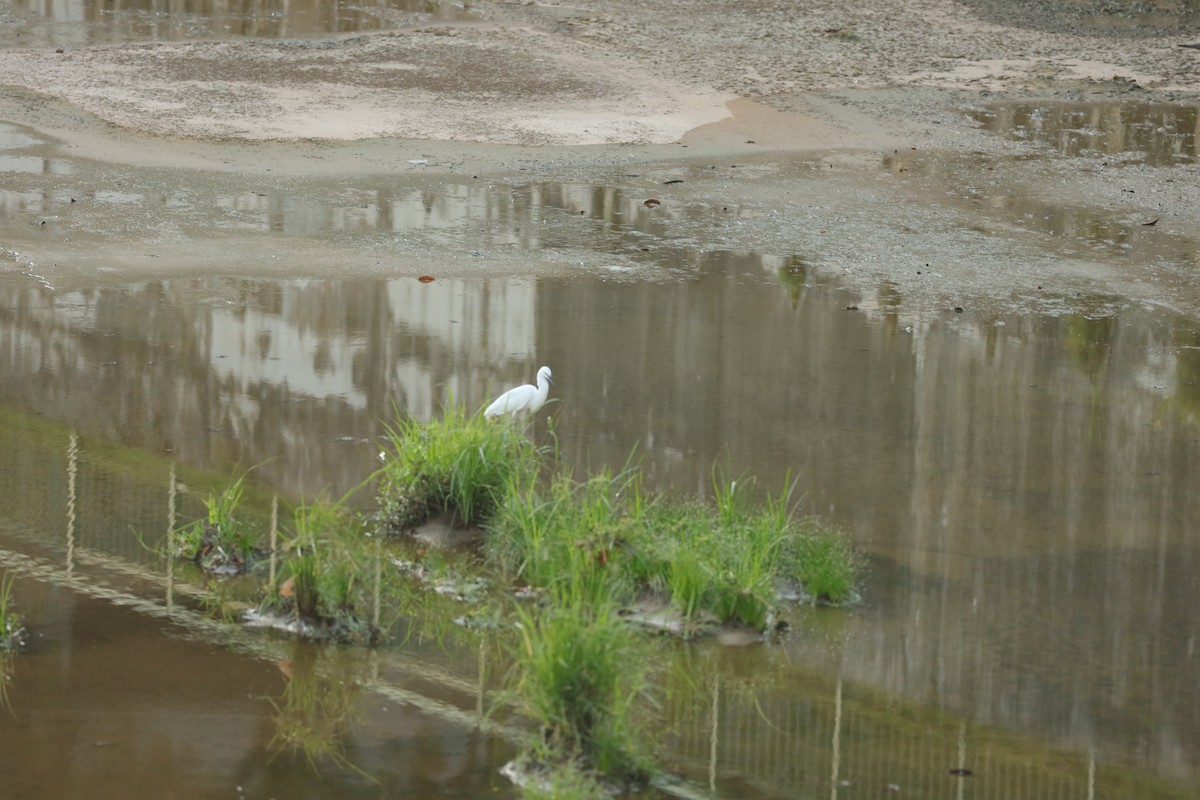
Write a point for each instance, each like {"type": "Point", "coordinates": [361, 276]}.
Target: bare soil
{"type": "Point", "coordinates": [603, 72]}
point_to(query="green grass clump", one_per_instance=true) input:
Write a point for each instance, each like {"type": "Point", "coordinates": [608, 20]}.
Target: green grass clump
{"type": "Point", "coordinates": [824, 562]}
{"type": "Point", "coordinates": [12, 632]}
{"type": "Point", "coordinates": [577, 675]}
{"type": "Point", "coordinates": [744, 547]}
{"type": "Point", "coordinates": [458, 465]}
{"type": "Point", "coordinates": [568, 532]}
{"type": "Point", "coordinates": [222, 541]}
{"type": "Point", "coordinates": [726, 560]}
{"type": "Point", "coordinates": [322, 580]}
{"type": "Point", "coordinates": [732, 560]}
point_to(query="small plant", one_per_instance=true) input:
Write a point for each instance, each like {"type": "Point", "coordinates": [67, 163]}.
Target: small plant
{"type": "Point", "coordinates": [322, 581]}
{"type": "Point", "coordinates": [458, 465]}
{"type": "Point", "coordinates": [824, 562]}
{"type": "Point", "coordinates": [12, 632]}
{"type": "Point", "coordinates": [576, 676]}
{"type": "Point", "coordinates": [221, 542]}
{"type": "Point", "coordinates": [568, 532]}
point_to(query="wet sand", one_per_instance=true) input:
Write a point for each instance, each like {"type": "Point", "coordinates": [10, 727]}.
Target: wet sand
{"type": "Point", "coordinates": [546, 74]}
{"type": "Point", "coordinates": [543, 92]}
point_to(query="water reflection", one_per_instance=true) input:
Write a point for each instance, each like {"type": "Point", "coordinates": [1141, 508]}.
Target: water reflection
{"type": "Point", "coordinates": [1158, 134]}
{"type": "Point", "coordinates": [258, 365]}
{"type": "Point", "coordinates": [14, 138]}
{"type": "Point", "coordinates": [87, 22]}
{"type": "Point", "coordinates": [1026, 488]}
{"type": "Point", "coordinates": [1000, 204]}
{"type": "Point", "coordinates": [809, 734]}
{"type": "Point", "coordinates": [525, 216]}
{"type": "Point", "coordinates": [1002, 200]}
{"type": "Point", "coordinates": [316, 712]}
{"type": "Point", "coordinates": [7, 669]}
{"type": "Point", "coordinates": [117, 693]}
{"type": "Point", "coordinates": [35, 165]}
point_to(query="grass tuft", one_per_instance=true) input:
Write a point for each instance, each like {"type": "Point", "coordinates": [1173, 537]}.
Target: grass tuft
{"type": "Point", "coordinates": [824, 562]}
{"type": "Point", "coordinates": [458, 465]}
{"type": "Point", "coordinates": [222, 542]}
{"type": "Point", "coordinates": [576, 676]}
{"type": "Point", "coordinates": [322, 582]}
{"type": "Point", "coordinates": [607, 536]}
{"type": "Point", "coordinates": [567, 533]}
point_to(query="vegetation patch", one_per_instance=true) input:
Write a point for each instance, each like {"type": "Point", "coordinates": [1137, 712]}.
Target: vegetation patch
{"type": "Point", "coordinates": [578, 674]}
{"type": "Point", "coordinates": [324, 585]}
{"type": "Point", "coordinates": [222, 542]}
{"type": "Point", "coordinates": [563, 567]}
{"type": "Point", "coordinates": [591, 554]}
{"type": "Point", "coordinates": [458, 465]}
{"type": "Point", "coordinates": [728, 563]}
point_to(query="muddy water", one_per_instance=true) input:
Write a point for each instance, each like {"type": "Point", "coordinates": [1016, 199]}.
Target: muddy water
{"type": "Point", "coordinates": [109, 702]}
{"type": "Point", "coordinates": [1023, 482]}
{"type": "Point", "coordinates": [1155, 134]}
{"type": "Point", "coordinates": [1024, 485]}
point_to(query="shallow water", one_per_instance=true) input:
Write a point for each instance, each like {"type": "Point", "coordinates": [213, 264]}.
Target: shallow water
{"type": "Point", "coordinates": [1022, 482]}
{"type": "Point", "coordinates": [1025, 490]}
{"type": "Point", "coordinates": [117, 697]}
{"type": "Point", "coordinates": [1155, 134]}
{"type": "Point", "coordinates": [88, 22]}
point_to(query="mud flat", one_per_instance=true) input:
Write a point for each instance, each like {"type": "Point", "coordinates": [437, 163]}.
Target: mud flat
{"type": "Point", "coordinates": [851, 136]}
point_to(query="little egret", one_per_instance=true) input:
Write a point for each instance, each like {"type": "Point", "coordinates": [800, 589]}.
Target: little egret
{"type": "Point", "coordinates": [523, 399]}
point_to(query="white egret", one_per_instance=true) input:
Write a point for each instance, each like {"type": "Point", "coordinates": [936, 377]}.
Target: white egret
{"type": "Point", "coordinates": [522, 399]}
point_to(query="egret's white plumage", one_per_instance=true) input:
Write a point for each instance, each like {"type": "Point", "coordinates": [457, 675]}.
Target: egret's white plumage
{"type": "Point", "coordinates": [523, 399]}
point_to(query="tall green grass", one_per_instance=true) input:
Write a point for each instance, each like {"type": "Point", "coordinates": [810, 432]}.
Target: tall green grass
{"type": "Point", "coordinates": [458, 465]}
{"type": "Point", "coordinates": [578, 675]}
{"type": "Point", "coordinates": [567, 533]}
{"type": "Point", "coordinates": [727, 559]}
{"type": "Point", "coordinates": [326, 569]}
